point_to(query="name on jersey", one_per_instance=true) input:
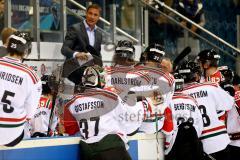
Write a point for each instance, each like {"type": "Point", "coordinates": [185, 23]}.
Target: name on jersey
{"type": "Point", "coordinates": [125, 81]}
{"type": "Point", "coordinates": [199, 94]}
{"type": "Point", "coordinates": [11, 78]}
{"type": "Point", "coordinates": [184, 106]}
{"type": "Point", "coordinates": [89, 106]}
{"type": "Point", "coordinates": [40, 113]}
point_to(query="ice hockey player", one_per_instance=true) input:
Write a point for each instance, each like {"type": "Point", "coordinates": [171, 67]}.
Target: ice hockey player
{"type": "Point", "coordinates": [20, 90]}
{"type": "Point", "coordinates": [40, 122]}
{"type": "Point", "coordinates": [208, 60]}
{"type": "Point", "coordinates": [101, 118]}
{"type": "Point", "coordinates": [212, 100]}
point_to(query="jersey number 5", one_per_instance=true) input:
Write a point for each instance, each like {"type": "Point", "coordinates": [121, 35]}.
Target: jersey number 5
{"type": "Point", "coordinates": [85, 128]}
{"type": "Point", "coordinates": [7, 108]}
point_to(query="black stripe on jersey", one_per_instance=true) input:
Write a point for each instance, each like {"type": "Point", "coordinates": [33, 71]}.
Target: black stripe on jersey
{"type": "Point", "coordinates": [11, 125]}
{"type": "Point", "coordinates": [25, 68]}
{"type": "Point", "coordinates": [213, 135]}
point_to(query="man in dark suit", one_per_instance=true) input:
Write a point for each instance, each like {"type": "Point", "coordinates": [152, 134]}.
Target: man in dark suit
{"type": "Point", "coordinates": [82, 35]}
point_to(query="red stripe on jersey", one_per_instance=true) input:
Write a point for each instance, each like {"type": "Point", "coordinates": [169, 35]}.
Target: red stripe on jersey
{"type": "Point", "coordinates": [18, 67]}
{"type": "Point", "coordinates": [166, 75]}
{"type": "Point", "coordinates": [111, 94]}
{"type": "Point", "coordinates": [12, 119]}
{"type": "Point", "coordinates": [25, 67]}
{"type": "Point", "coordinates": [142, 75]}
{"type": "Point", "coordinates": [184, 97]}
{"type": "Point", "coordinates": [195, 85]}
{"type": "Point", "coordinates": [92, 93]}
{"type": "Point", "coordinates": [213, 129]}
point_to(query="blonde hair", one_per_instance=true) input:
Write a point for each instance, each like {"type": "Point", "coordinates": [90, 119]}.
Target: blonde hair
{"type": "Point", "coordinates": [6, 33]}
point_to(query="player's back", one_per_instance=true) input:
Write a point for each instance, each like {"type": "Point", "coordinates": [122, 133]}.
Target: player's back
{"type": "Point", "coordinates": [185, 109]}
{"type": "Point", "coordinates": [40, 121]}
{"type": "Point", "coordinates": [99, 113]}
{"type": "Point", "coordinates": [211, 99]}
{"type": "Point", "coordinates": [17, 82]}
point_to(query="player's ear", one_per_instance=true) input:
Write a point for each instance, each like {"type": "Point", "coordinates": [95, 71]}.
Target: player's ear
{"type": "Point", "coordinates": [206, 65]}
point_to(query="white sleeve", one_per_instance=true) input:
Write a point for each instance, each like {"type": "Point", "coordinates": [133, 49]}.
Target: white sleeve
{"type": "Point", "coordinates": [32, 101]}
{"type": "Point", "coordinates": [222, 99]}
{"type": "Point", "coordinates": [198, 123]}
{"type": "Point", "coordinates": [133, 117]}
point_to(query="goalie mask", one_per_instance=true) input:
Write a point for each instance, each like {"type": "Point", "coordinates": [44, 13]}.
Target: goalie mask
{"type": "Point", "coordinates": [93, 77]}
{"type": "Point", "coordinates": [153, 52]}
{"type": "Point", "coordinates": [125, 50]}
{"type": "Point", "coordinates": [20, 43]}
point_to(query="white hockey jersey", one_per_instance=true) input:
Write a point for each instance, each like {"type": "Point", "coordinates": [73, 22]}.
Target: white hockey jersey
{"type": "Point", "coordinates": [156, 118]}
{"type": "Point", "coordinates": [20, 91]}
{"type": "Point", "coordinates": [40, 121]}
{"type": "Point", "coordinates": [233, 125]}
{"type": "Point", "coordinates": [211, 98]}
{"type": "Point", "coordinates": [184, 107]}
{"type": "Point", "coordinates": [99, 112]}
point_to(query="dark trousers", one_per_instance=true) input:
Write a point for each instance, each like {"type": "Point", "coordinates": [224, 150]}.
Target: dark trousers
{"type": "Point", "coordinates": [234, 152]}
{"type": "Point", "coordinates": [222, 155]}
{"type": "Point", "coordinates": [111, 147]}
{"type": "Point", "coordinates": [187, 145]}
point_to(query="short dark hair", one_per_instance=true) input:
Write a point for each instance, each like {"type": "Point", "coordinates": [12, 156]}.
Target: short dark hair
{"type": "Point", "coordinates": [95, 6]}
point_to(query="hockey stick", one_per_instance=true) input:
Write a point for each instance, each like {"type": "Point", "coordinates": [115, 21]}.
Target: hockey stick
{"type": "Point", "coordinates": [55, 87]}
{"type": "Point", "coordinates": [186, 51]}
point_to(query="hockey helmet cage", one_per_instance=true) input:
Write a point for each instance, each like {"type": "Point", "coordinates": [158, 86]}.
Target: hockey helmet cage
{"type": "Point", "coordinates": [20, 43]}
{"type": "Point", "coordinates": [154, 52]}
{"type": "Point", "coordinates": [125, 49]}
{"type": "Point", "coordinates": [93, 77]}
{"type": "Point", "coordinates": [188, 70]}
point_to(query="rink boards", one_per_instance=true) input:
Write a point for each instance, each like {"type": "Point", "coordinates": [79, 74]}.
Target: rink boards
{"type": "Point", "coordinates": [142, 147]}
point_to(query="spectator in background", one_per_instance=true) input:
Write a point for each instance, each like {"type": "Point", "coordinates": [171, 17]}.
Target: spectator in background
{"type": "Point", "coordinates": [5, 34]}
{"type": "Point", "coordinates": [192, 9]}
{"type": "Point", "coordinates": [1, 15]}
{"type": "Point", "coordinates": [128, 15]}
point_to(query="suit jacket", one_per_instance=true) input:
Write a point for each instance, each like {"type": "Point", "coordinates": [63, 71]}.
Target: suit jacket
{"type": "Point", "coordinates": [77, 40]}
